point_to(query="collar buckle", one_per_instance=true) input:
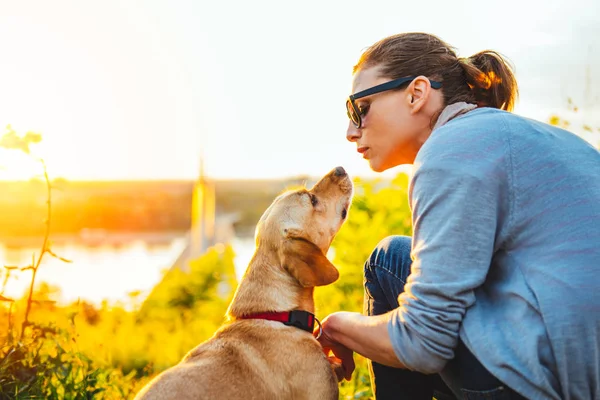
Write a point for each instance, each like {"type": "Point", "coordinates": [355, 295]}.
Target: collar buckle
{"type": "Point", "coordinates": [301, 319]}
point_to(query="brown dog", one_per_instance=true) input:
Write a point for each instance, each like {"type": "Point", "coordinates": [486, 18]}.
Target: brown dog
{"type": "Point", "coordinates": [254, 355]}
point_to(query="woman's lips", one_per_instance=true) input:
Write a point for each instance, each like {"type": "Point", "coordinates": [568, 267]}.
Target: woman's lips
{"type": "Point", "coordinates": [363, 151]}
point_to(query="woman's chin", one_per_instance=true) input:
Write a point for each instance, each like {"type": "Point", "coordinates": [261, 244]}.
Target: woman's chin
{"type": "Point", "coordinates": [376, 166]}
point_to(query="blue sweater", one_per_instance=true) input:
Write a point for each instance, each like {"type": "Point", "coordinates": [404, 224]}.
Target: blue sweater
{"type": "Point", "coordinates": [506, 254]}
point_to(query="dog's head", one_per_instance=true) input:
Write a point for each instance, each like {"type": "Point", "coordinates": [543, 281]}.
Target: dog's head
{"type": "Point", "coordinates": [301, 224]}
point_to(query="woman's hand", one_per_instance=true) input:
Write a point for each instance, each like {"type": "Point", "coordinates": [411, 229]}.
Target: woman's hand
{"type": "Point", "coordinates": [347, 332]}
{"type": "Point", "coordinates": [341, 354]}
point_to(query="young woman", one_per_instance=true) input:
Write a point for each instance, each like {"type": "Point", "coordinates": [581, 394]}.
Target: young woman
{"type": "Point", "coordinates": [498, 290]}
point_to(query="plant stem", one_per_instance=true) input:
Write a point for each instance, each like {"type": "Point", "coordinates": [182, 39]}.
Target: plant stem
{"type": "Point", "coordinates": [44, 248]}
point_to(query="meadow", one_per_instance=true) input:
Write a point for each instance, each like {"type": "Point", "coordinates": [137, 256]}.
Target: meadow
{"type": "Point", "coordinates": [82, 351]}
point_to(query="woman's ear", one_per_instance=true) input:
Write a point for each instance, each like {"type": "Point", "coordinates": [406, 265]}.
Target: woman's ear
{"type": "Point", "coordinates": [418, 93]}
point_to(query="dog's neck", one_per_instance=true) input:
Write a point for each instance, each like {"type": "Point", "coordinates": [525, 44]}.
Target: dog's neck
{"type": "Point", "coordinates": [267, 287]}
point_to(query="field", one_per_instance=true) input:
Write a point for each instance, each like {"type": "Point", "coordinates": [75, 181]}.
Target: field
{"type": "Point", "coordinates": [83, 351]}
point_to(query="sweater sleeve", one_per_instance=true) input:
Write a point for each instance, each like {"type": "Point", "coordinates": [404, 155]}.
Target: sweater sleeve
{"type": "Point", "coordinates": [458, 202]}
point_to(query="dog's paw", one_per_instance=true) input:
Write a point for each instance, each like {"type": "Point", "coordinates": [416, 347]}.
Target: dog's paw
{"type": "Point", "coordinates": [336, 366]}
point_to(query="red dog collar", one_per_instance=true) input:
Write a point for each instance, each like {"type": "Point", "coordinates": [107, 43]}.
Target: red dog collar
{"type": "Point", "coordinates": [298, 318]}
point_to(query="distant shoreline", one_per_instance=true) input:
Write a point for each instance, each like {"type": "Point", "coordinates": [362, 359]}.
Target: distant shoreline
{"type": "Point", "coordinates": [101, 238]}
{"type": "Point", "coordinates": [95, 238]}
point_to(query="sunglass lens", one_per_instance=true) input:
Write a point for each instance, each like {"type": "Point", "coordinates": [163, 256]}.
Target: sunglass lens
{"type": "Point", "coordinates": [354, 117]}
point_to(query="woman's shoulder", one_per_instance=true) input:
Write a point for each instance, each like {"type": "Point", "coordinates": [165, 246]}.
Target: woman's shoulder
{"type": "Point", "coordinates": [481, 131]}
{"type": "Point", "coordinates": [480, 119]}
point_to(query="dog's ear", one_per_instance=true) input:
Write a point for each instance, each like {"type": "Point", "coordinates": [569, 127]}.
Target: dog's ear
{"type": "Point", "coordinates": [307, 263]}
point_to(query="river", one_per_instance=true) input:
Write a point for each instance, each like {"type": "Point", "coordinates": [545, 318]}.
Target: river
{"type": "Point", "coordinates": [109, 270]}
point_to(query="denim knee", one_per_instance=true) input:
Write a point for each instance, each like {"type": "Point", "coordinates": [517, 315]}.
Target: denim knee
{"type": "Point", "coordinates": [385, 274]}
{"type": "Point", "coordinates": [393, 254]}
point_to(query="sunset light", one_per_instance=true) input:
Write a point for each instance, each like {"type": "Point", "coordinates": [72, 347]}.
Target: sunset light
{"type": "Point", "coordinates": [141, 142]}
{"type": "Point", "coordinates": [143, 99]}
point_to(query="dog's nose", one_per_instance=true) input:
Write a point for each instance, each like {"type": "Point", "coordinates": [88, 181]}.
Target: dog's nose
{"type": "Point", "coordinates": [339, 171]}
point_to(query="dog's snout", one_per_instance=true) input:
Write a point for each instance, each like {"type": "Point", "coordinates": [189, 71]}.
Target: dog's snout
{"type": "Point", "coordinates": [336, 177]}
{"type": "Point", "coordinates": [339, 171]}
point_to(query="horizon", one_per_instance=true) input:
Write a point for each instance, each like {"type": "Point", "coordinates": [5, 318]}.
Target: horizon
{"type": "Point", "coordinates": [59, 179]}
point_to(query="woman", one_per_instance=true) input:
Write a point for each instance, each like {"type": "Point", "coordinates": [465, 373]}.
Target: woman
{"type": "Point", "coordinates": [498, 289]}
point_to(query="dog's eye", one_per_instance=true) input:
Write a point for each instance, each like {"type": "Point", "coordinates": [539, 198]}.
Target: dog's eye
{"type": "Point", "coordinates": [344, 213]}
{"type": "Point", "coordinates": [313, 199]}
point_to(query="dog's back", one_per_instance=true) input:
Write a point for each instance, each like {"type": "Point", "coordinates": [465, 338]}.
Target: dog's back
{"type": "Point", "coordinates": [243, 360]}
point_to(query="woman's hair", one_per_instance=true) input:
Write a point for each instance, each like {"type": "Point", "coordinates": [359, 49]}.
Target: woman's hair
{"type": "Point", "coordinates": [485, 79]}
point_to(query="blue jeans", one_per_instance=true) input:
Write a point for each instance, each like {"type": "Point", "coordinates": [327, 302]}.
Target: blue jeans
{"type": "Point", "coordinates": [463, 377]}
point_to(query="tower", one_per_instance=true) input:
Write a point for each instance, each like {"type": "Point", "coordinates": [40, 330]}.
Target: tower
{"type": "Point", "coordinates": [202, 232]}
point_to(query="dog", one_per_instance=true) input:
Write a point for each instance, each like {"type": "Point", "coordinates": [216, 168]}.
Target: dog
{"type": "Point", "coordinates": [266, 348]}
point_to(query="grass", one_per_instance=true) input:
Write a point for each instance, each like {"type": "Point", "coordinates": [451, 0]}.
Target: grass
{"type": "Point", "coordinates": [85, 352]}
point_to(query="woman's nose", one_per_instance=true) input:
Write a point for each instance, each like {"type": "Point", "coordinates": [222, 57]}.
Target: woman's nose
{"type": "Point", "coordinates": [353, 133]}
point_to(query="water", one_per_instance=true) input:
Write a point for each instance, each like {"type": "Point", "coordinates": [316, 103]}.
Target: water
{"type": "Point", "coordinates": [105, 271]}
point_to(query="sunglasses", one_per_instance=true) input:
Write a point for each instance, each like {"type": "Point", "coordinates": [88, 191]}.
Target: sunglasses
{"type": "Point", "coordinates": [353, 111]}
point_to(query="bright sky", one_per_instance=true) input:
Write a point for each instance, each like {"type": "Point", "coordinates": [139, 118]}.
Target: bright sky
{"type": "Point", "coordinates": [137, 89]}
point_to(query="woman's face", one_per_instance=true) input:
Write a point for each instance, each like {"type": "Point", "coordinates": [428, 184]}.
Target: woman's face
{"type": "Point", "coordinates": [395, 123]}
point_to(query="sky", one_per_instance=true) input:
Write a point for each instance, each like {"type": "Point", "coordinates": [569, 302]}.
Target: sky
{"type": "Point", "coordinates": [141, 89]}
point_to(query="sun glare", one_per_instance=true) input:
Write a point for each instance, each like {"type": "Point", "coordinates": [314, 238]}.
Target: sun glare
{"type": "Point", "coordinates": [16, 166]}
